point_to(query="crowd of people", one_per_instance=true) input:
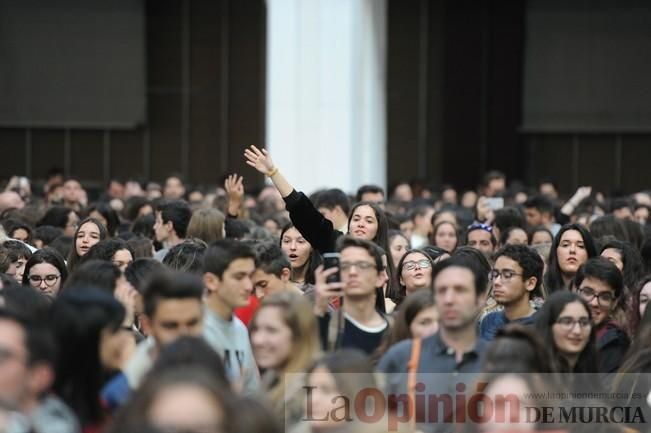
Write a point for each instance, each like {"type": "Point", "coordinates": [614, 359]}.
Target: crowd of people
{"type": "Point", "coordinates": [162, 308]}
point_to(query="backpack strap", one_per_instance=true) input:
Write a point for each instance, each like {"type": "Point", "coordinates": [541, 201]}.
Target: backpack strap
{"type": "Point", "coordinates": [412, 371]}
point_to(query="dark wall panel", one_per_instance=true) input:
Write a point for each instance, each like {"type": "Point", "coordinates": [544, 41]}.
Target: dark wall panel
{"type": "Point", "coordinates": [207, 91]}
{"type": "Point", "coordinates": [164, 61]}
{"type": "Point", "coordinates": [403, 88]}
{"type": "Point", "coordinates": [636, 154]}
{"type": "Point", "coordinates": [12, 141]}
{"type": "Point", "coordinates": [87, 154]}
{"type": "Point", "coordinates": [164, 45]}
{"type": "Point", "coordinates": [165, 132]}
{"type": "Point", "coordinates": [205, 63]}
{"type": "Point", "coordinates": [47, 151]}
{"type": "Point", "coordinates": [127, 154]}
{"type": "Point", "coordinates": [472, 87]}
{"type": "Point", "coordinates": [463, 92]}
{"type": "Point", "coordinates": [597, 162]}
{"type": "Point", "coordinates": [246, 81]}
{"type": "Point", "coordinates": [552, 156]}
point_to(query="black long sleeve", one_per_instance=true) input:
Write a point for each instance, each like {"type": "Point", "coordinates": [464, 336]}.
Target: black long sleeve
{"type": "Point", "coordinates": [314, 227]}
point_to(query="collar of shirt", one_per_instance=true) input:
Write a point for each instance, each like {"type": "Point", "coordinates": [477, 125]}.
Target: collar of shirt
{"type": "Point", "coordinates": [441, 348]}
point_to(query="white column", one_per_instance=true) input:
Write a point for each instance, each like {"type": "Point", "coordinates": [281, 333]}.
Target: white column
{"type": "Point", "coordinates": [326, 97]}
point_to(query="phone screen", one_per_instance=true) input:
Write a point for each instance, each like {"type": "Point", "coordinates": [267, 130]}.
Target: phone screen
{"type": "Point", "coordinates": [331, 260]}
{"type": "Point", "coordinates": [495, 203]}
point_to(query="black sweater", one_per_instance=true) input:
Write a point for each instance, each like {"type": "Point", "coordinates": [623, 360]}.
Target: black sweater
{"type": "Point", "coordinates": [314, 227]}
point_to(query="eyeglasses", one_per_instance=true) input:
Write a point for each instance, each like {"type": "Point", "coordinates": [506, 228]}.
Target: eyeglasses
{"type": "Point", "coordinates": [604, 299]}
{"type": "Point", "coordinates": [411, 264]}
{"type": "Point", "coordinates": [480, 226]}
{"type": "Point", "coordinates": [506, 274]}
{"type": "Point", "coordinates": [567, 323]}
{"type": "Point", "coordinates": [361, 265]}
{"type": "Point", "coordinates": [50, 280]}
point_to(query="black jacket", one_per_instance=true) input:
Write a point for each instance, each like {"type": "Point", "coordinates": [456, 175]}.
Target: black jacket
{"type": "Point", "coordinates": [612, 345]}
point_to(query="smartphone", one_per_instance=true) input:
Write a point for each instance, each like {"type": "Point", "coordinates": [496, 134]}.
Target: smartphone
{"type": "Point", "coordinates": [331, 260]}
{"type": "Point", "coordinates": [495, 203]}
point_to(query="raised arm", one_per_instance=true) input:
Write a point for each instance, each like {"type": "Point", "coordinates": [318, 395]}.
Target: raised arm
{"type": "Point", "coordinates": [234, 186]}
{"type": "Point", "coordinates": [261, 161]}
{"type": "Point", "coordinates": [314, 227]}
{"type": "Point", "coordinates": [581, 193]}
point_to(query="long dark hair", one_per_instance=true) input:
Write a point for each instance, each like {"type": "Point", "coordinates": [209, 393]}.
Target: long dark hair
{"type": "Point", "coordinates": [631, 259]}
{"type": "Point", "coordinates": [554, 277]}
{"type": "Point", "coordinates": [73, 258]}
{"type": "Point", "coordinates": [457, 231]}
{"type": "Point", "coordinates": [402, 289]}
{"type": "Point", "coordinates": [547, 317]}
{"type": "Point", "coordinates": [638, 358]}
{"type": "Point", "coordinates": [381, 239]}
{"type": "Point", "coordinates": [633, 315]}
{"type": "Point", "coordinates": [313, 261]}
{"type": "Point", "coordinates": [78, 318]}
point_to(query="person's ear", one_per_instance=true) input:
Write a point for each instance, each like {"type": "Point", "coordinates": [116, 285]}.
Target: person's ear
{"type": "Point", "coordinates": [285, 274]}
{"type": "Point", "coordinates": [481, 299]}
{"type": "Point", "coordinates": [383, 278]}
{"type": "Point", "coordinates": [40, 379]}
{"type": "Point", "coordinates": [211, 282]}
{"type": "Point", "coordinates": [145, 324]}
{"type": "Point", "coordinates": [530, 283]}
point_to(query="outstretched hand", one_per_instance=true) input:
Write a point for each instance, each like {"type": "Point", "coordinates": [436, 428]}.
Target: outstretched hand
{"type": "Point", "coordinates": [234, 186]}
{"type": "Point", "coordinates": [259, 159]}
{"type": "Point", "coordinates": [582, 193]}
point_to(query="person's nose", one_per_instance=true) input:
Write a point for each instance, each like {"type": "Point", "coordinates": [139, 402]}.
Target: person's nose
{"type": "Point", "coordinates": [594, 301]}
{"type": "Point", "coordinates": [445, 297]}
{"type": "Point", "coordinates": [352, 269]}
{"type": "Point", "coordinates": [292, 246]}
{"type": "Point", "coordinates": [576, 328]}
{"type": "Point", "coordinates": [248, 285]}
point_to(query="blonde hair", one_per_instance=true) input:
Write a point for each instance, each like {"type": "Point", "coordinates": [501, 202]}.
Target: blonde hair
{"type": "Point", "coordinates": [298, 316]}
{"type": "Point", "coordinates": [207, 225]}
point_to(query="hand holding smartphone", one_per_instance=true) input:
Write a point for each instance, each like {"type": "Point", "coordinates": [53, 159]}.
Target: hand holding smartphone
{"type": "Point", "coordinates": [331, 260]}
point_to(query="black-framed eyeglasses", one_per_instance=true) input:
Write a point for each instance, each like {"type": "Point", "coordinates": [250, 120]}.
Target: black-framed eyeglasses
{"type": "Point", "coordinates": [410, 265]}
{"type": "Point", "coordinates": [50, 280]}
{"type": "Point", "coordinates": [568, 323]}
{"type": "Point", "coordinates": [506, 274]}
{"type": "Point", "coordinates": [480, 226]}
{"type": "Point", "coordinates": [604, 299]}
